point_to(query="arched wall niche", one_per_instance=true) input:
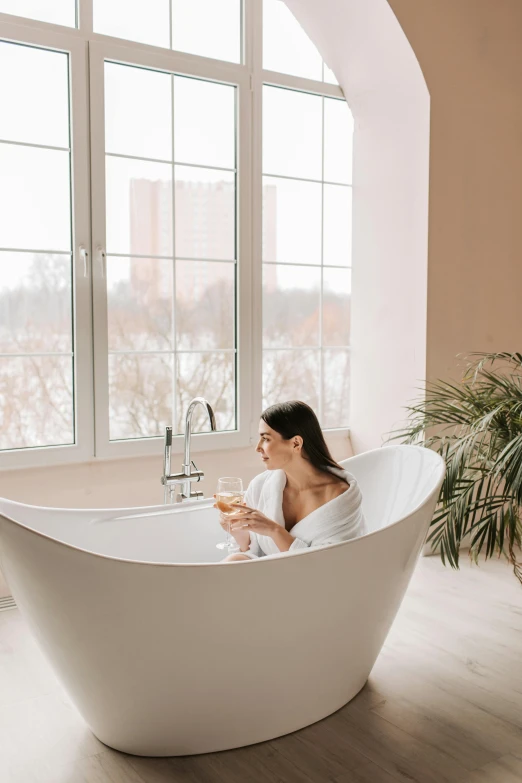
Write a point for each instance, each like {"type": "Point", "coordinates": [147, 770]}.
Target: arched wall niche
{"type": "Point", "coordinates": [364, 44]}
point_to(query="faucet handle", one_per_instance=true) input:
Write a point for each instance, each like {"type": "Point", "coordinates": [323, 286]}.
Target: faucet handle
{"type": "Point", "coordinates": [195, 468]}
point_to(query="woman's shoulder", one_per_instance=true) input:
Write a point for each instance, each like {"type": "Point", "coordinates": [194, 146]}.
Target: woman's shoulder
{"type": "Point", "coordinates": [342, 475]}
{"type": "Point", "coordinates": [255, 488]}
{"type": "Point", "coordinates": [350, 493]}
{"type": "Point", "coordinates": [259, 481]}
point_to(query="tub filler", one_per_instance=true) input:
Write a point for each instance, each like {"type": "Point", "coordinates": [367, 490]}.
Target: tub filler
{"type": "Point", "coordinates": [165, 651]}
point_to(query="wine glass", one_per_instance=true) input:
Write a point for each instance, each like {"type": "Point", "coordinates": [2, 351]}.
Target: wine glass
{"type": "Point", "coordinates": [230, 490]}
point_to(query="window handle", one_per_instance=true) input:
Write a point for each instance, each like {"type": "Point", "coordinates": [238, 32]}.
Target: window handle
{"type": "Point", "coordinates": [102, 258]}
{"type": "Point", "coordinates": [84, 255]}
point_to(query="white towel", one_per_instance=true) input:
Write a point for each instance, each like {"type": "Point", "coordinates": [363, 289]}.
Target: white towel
{"type": "Point", "coordinates": [338, 520]}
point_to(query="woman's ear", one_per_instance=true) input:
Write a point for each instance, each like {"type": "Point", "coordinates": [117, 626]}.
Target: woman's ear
{"type": "Point", "coordinates": [297, 443]}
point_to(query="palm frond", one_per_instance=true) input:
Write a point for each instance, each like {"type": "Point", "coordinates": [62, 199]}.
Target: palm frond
{"type": "Point", "coordinates": [476, 426]}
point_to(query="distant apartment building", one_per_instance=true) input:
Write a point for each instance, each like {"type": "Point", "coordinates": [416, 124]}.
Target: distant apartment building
{"type": "Point", "coordinates": [204, 230]}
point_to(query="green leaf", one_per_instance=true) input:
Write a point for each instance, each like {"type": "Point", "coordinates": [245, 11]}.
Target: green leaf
{"type": "Point", "coordinates": [476, 426]}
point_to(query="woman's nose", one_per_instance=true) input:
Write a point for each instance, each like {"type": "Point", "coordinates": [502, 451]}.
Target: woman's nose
{"type": "Point", "coordinates": [258, 447]}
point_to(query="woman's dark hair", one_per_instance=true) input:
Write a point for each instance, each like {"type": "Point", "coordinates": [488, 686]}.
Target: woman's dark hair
{"type": "Point", "coordinates": [297, 418]}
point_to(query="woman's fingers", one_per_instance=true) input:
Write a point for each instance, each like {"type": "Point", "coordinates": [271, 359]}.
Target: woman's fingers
{"type": "Point", "coordinates": [240, 522]}
{"type": "Point", "coordinates": [245, 509]}
{"type": "Point", "coordinates": [244, 512]}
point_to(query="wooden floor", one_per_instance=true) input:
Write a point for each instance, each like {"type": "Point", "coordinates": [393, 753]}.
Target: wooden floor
{"type": "Point", "coordinates": [443, 703]}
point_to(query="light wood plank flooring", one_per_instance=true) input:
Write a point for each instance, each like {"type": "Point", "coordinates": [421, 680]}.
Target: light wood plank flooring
{"type": "Point", "coordinates": [443, 704]}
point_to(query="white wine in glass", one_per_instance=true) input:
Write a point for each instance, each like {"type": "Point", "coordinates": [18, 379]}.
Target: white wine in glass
{"type": "Point", "coordinates": [230, 491]}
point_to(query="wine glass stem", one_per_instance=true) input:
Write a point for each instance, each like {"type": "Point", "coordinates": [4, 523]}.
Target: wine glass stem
{"type": "Point", "coordinates": [229, 536]}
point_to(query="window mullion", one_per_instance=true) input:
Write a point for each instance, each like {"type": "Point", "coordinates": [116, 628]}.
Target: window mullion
{"type": "Point", "coordinates": [99, 286]}
{"type": "Point", "coordinates": [254, 62]}
{"type": "Point", "coordinates": [84, 17]}
{"type": "Point", "coordinates": [174, 422]}
{"type": "Point", "coordinates": [321, 303]}
{"type": "Point", "coordinates": [84, 397]}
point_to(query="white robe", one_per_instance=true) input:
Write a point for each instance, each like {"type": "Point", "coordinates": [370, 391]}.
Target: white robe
{"type": "Point", "coordinates": [338, 520]}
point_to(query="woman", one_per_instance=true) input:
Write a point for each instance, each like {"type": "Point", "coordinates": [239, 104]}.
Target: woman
{"type": "Point", "coordinates": [304, 498]}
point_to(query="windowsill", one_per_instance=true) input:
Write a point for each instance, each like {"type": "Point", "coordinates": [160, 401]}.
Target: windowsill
{"type": "Point", "coordinates": [63, 456]}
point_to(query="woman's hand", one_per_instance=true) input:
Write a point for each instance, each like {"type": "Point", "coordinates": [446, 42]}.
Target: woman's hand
{"type": "Point", "coordinates": [250, 519]}
{"type": "Point", "coordinates": [241, 536]}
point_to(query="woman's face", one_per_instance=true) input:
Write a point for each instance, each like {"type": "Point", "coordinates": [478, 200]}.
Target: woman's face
{"type": "Point", "coordinates": [276, 452]}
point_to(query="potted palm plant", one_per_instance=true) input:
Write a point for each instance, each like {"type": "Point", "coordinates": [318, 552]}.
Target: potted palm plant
{"type": "Point", "coordinates": [476, 425]}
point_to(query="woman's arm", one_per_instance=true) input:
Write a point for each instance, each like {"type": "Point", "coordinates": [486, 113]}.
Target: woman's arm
{"type": "Point", "coordinates": [282, 538]}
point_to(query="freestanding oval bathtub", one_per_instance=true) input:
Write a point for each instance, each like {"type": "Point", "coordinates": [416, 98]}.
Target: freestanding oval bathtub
{"type": "Point", "coordinates": [165, 651]}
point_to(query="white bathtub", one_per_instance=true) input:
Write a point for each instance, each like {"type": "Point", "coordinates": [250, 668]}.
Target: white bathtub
{"type": "Point", "coordinates": [164, 651]}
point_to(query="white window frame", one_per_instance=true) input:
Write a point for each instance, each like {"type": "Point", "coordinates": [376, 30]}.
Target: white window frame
{"type": "Point", "coordinates": [53, 37]}
{"type": "Point", "coordinates": [87, 52]}
{"type": "Point", "coordinates": [173, 62]}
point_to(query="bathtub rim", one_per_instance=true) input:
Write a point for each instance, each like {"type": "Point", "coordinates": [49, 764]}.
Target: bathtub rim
{"type": "Point", "coordinates": [194, 505]}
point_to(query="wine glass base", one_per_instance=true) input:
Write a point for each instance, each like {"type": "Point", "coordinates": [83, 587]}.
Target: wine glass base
{"type": "Point", "coordinates": [230, 548]}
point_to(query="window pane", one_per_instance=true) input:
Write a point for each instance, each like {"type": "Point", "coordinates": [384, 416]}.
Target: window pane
{"type": "Point", "coordinates": [34, 198]}
{"type": "Point", "coordinates": [36, 297]}
{"type": "Point", "coordinates": [337, 289]}
{"type": "Point", "coordinates": [53, 11]}
{"type": "Point", "coordinates": [336, 388]}
{"type": "Point", "coordinates": [337, 242]}
{"type": "Point", "coordinates": [305, 223]}
{"type": "Point", "coordinates": [138, 112]}
{"type": "Point", "coordinates": [205, 213]}
{"type": "Point", "coordinates": [135, 20]}
{"type": "Point", "coordinates": [210, 28]}
{"type": "Point", "coordinates": [286, 46]}
{"type": "Point", "coordinates": [139, 207]}
{"type": "Point", "coordinates": [291, 305]}
{"type": "Point", "coordinates": [204, 122]}
{"type": "Point", "coordinates": [205, 305]}
{"type": "Point", "coordinates": [34, 97]}
{"type": "Point", "coordinates": [291, 221]}
{"type": "Point", "coordinates": [210, 375]}
{"type": "Point", "coordinates": [171, 323]}
{"type": "Point", "coordinates": [291, 375]}
{"type": "Point", "coordinates": [36, 403]}
{"type": "Point", "coordinates": [35, 303]}
{"type": "Point", "coordinates": [338, 141]}
{"type": "Point", "coordinates": [140, 395]}
{"type": "Point", "coordinates": [292, 133]}
{"type": "Point", "coordinates": [140, 304]}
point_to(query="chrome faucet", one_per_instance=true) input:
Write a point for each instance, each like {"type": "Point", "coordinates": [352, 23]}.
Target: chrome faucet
{"type": "Point", "coordinates": [190, 473]}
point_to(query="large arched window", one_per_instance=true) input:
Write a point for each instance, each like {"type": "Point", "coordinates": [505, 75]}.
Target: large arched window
{"type": "Point", "coordinates": [175, 191]}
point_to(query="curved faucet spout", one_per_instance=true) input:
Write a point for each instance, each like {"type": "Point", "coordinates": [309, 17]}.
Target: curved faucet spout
{"type": "Point", "coordinates": [188, 426]}
{"type": "Point", "coordinates": [184, 480]}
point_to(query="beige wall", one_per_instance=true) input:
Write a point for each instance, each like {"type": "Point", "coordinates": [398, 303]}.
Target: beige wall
{"type": "Point", "coordinates": [4, 590]}
{"type": "Point", "coordinates": [471, 55]}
